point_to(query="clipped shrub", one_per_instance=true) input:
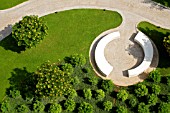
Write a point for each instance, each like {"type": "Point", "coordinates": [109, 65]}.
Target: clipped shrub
{"type": "Point", "coordinates": [107, 105]}
{"type": "Point", "coordinates": [142, 108]}
{"type": "Point", "coordinates": [69, 105]}
{"type": "Point", "coordinates": [75, 80]}
{"type": "Point", "coordinates": [100, 94]}
{"type": "Point", "coordinates": [55, 108]}
{"type": "Point", "coordinates": [93, 80]}
{"type": "Point", "coordinates": [87, 93]}
{"type": "Point", "coordinates": [85, 108]}
{"type": "Point", "coordinates": [38, 106]}
{"type": "Point", "coordinates": [14, 93]}
{"type": "Point", "coordinates": [156, 89]}
{"type": "Point", "coordinates": [152, 99]}
{"type": "Point", "coordinates": [141, 90]}
{"type": "Point", "coordinates": [67, 68]}
{"type": "Point", "coordinates": [107, 85]}
{"type": "Point", "coordinates": [133, 102]}
{"type": "Point", "coordinates": [121, 109]}
{"type": "Point", "coordinates": [22, 108]}
{"type": "Point", "coordinates": [5, 107]}
{"type": "Point", "coordinates": [155, 76]}
{"type": "Point", "coordinates": [164, 108]}
{"type": "Point", "coordinates": [72, 93]}
{"type": "Point", "coordinates": [122, 95]}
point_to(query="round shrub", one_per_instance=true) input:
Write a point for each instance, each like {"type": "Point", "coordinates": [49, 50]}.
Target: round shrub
{"type": "Point", "coordinates": [100, 94]}
{"type": "Point", "coordinates": [142, 108]}
{"type": "Point", "coordinates": [72, 93]}
{"type": "Point", "coordinates": [121, 109]}
{"type": "Point", "coordinates": [87, 93]}
{"type": "Point", "coordinates": [156, 89]}
{"type": "Point", "coordinates": [152, 99]}
{"type": "Point", "coordinates": [14, 93]}
{"type": "Point", "coordinates": [122, 95]}
{"type": "Point", "coordinates": [141, 90]}
{"type": "Point", "coordinates": [133, 102]}
{"type": "Point", "coordinates": [55, 108]}
{"type": "Point", "coordinates": [30, 31]}
{"type": "Point", "coordinates": [70, 105]}
{"type": "Point", "coordinates": [75, 80]}
{"type": "Point", "coordinates": [85, 108]}
{"type": "Point", "coordinates": [22, 109]}
{"type": "Point", "coordinates": [107, 85]}
{"type": "Point", "coordinates": [93, 80]}
{"type": "Point", "coordinates": [38, 106]}
{"type": "Point", "coordinates": [67, 68]}
{"type": "Point", "coordinates": [5, 107]}
{"type": "Point", "coordinates": [155, 76]}
{"type": "Point", "coordinates": [164, 108]}
{"type": "Point", "coordinates": [107, 105]}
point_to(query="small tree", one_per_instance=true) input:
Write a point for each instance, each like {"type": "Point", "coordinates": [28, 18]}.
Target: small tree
{"type": "Point", "coordinates": [72, 93]}
{"type": "Point", "coordinates": [156, 89]}
{"type": "Point", "coordinates": [122, 95]}
{"type": "Point", "coordinates": [85, 108]}
{"type": "Point", "coordinates": [5, 106]}
{"type": "Point", "coordinates": [22, 109]}
{"type": "Point", "coordinates": [107, 85]}
{"type": "Point", "coordinates": [141, 90]}
{"type": "Point", "coordinates": [70, 105]}
{"type": "Point", "coordinates": [166, 43]}
{"type": "Point", "coordinates": [87, 93]}
{"type": "Point", "coordinates": [100, 94]}
{"type": "Point", "coordinates": [164, 108]}
{"type": "Point", "coordinates": [155, 76]}
{"type": "Point", "coordinates": [142, 108]}
{"type": "Point", "coordinates": [152, 99]}
{"type": "Point", "coordinates": [107, 105]}
{"type": "Point", "coordinates": [30, 31]}
{"type": "Point", "coordinates": [38, 106]}
{"type": "Point", "coordinates": [121, 109]}
{"type": "Point", "coordinates": [93, 80]}
{"type": "Point", "coordinates": [133, 102]}
{"type": "Point", "coordinates": [55, 108]}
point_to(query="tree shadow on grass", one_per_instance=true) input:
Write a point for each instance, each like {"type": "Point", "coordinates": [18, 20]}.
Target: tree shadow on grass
{"type": "Point", "coordinates": [23, 81]}
{"type": "Point", "coordinates": [9, 43]}
{"type": "Point", "coordinates": [157, 37]}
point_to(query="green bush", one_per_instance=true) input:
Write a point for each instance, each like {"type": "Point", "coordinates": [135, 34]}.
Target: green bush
{"type": "Point", "coordinates": [14, 93]}
{"type": "Point", "coordinates": [142, 108]}
{"type": "Point", "coordinates": [38, 106]}
{"type": "Point", "coordinates": [166, 43]}
{"type": "Point", "coordinates": [168, 80]}
{"type": "Point", "coordinates": [70, 105]}
{"type": "Point", "coordinates": [121, 109]}
{"type": "Point", "coordinates": [100, 94]}
{"type": "Point", "coordinates": [155, 76]}
{"type": "Point", "coordinates": [93, 80]}
{"type": "Point", "coordinates": [30, 31]}
{"type": "Point", "coordinates": [141, 90]}
{"type": "Point", "coordinates": [152, 99]}
{"type": "Point", "coordinates": [5, 107]}
{"type": "Point", "coordinates": [72, 93]}
{"type": "Point", "coordinates": [67, 68]}
{"type": "Point", "coordinates": [75, 80]}
{"type": "Point", "coordinates": [164, 108]}
{"type": "Point", "coordinates": [133, 102]}
{"type": "Point", "coordinates": [85, 69]}
{"type": "Point", "coordinates": [22, 108]}
{"type": "Point", "coordinates": [107, 85]}
{"type": "Point", "coordinates": [85, 108]}
{"type": "Point", "coordinates": [122, 95]}
{"type": "Point", "coordinates": [87, 93]}
{"type": "Point", "coordinates": [156, 89]}
{"type": "Point", "coordinates": [55, 108]}
{"type": "Point", "coordinates": [107, 105]}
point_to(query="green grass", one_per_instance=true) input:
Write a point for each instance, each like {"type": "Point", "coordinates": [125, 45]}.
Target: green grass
{"type": "Point", "coordinates": [69, 32]}
{"type": "Point", "coordinates": [163, 2]}
{"type": "Point", "coordinates": [5, 4]}
{"type": "Point", "coordinates": [157, 35]}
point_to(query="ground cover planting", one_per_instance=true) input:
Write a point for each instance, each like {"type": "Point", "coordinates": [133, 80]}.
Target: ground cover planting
{"type": "Point", "coordinates": [5, 4]}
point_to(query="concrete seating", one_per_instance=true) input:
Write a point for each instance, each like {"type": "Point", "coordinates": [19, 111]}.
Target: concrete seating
{"type": "Point", "coordinates": [147, 47]}
{"type": "Point", "coordinates": [100, 59]}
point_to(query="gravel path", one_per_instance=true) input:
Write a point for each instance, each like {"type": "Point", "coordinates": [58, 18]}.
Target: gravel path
{"type": "Point", "coordinates": [132, 11]}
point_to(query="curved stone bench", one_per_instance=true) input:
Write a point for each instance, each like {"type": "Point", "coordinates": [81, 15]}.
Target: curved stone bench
{"type": "Point", "coordinates": [147, 47]}
{"type": "Point", "coordinates": [100, 59]}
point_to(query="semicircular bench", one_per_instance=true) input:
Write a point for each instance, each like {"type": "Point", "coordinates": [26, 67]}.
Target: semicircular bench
{"type": "Point", "coordinates": [147, 47]}
{"type": "Point", "coordinates": [100, 59]}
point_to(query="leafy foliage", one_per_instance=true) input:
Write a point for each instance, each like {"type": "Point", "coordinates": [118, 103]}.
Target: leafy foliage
{"type": "Point", "coordinates": [14, 93]}
{"type": "Point", "coordinates": [166, 43]}
{"type": "Point", "coordinates": [100, 94]}
{"type": "Point", "coordinates": [38, 106]}
{"type": "Point", "coordinates": [155, 76]}
{"type": "Point", "coordinates": [70, 105]}
{"type": "Point", "coordinates": [141, 90]}
{"type": "Point", "coordinates": [22, 109]}
{"type": "Point", "coordinates": [30, 31]}
{"type": "Point", "coordinates": [156, 89]}
{"type": "Point", "coordinates": [51, 81]}
{"type": "Point", "coordinates": [85, 108]}
{"type": "Point", "coordinates": [107, 85]}
{"type": "Point", "coordinates": [121, 109]}
{"type": "Point", "coordinates": [107, 105]}
{"type": "Point", "coordinates": [5, 107]}
{"type": "Point", "coordinates": [133, 102]}
{"type": "Point", "coordinates": [72, 93]}
{"type": "Point", "coordinates": [122, 95]}
{"type": "Point", "coordinates": [67, 68]}
{"type": "Point", "coordinates": [87, 93]}
{"type": "Point", "coordinates": [93, 80]}
{"type": "Point", "coordinates": [164, 108]}
{"type": "Point", "coordinates": [142, 108]}
{"type": "Point", "coordinates": [55, 108]}
{"type": "Point", "coordinates": [152, 99]}
{"type": "Point", "coordinates": [75, 80]}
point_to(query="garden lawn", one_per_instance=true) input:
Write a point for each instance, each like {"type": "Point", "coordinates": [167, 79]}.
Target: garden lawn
{"type": "Point", "coordinates": [5, 4]}
{"type": "Point", "coordinates": [157, 35]}
{"type": "Point", "coordinates": [69, 32]}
